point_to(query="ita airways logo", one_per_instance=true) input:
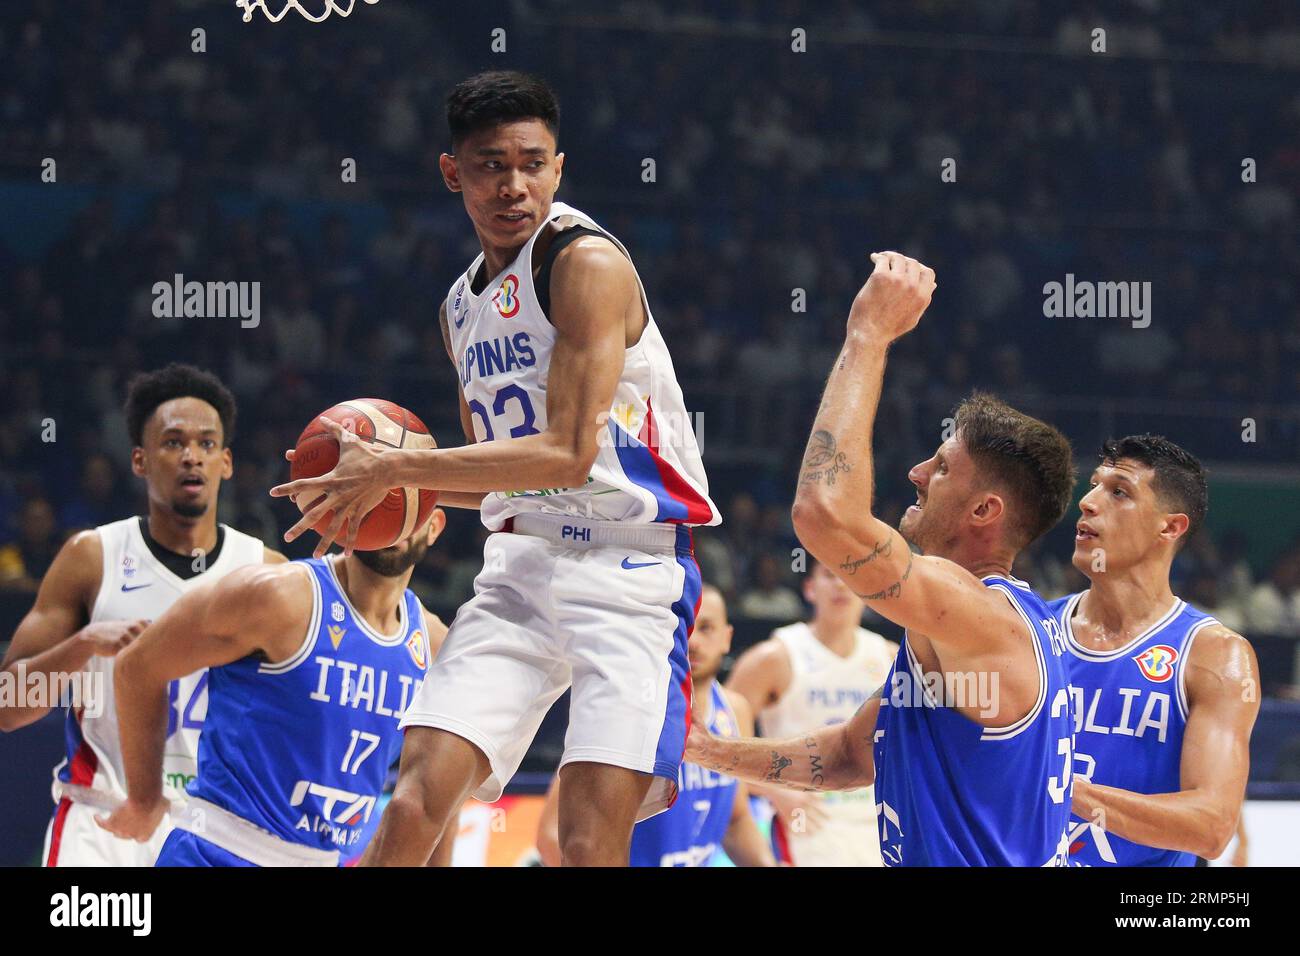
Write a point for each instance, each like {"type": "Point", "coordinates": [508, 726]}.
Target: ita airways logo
{"type": "Point", "coordinates": [415, 644]}
{"type": "Point", "coordinates": [506, 298]}
{"type": "Point", "coordinates": [1157, 663]}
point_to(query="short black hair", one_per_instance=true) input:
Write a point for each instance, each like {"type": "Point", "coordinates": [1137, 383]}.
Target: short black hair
{"type": "Point", "coordinates": [147, 390]}
{"type": "Point", "coordinates": [500, 96]}
{"type": "Point", "coordinates": [1031, 461]}
{"type": "Point", "coordinates": [1179, 483]}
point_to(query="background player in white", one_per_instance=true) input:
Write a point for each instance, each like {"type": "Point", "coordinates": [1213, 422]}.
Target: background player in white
{"type": "Point", "coordinates": [817, 674]}
{"type": "Point", "coordinates": [106, 584]}
{"type": "Point", "coordinates": [584, 466]}
{"type": "Point", "coordinates": [1147, 497]}
{"type": "Point", "coordinates": [679, 835]}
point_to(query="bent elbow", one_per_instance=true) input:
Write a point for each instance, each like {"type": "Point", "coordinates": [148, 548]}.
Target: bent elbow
{"type": "Point", "coordinates": [811, 517]}
{"type": "Point", "coordinates": [1217, 837]}
{"type": "Point", "coordinates": [573, 463]}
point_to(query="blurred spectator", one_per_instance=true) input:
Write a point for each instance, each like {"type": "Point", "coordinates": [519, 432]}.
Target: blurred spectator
{"type": "Point", "coordinates": [24, 562]}
{"type": "Point", "coordinates": [98, 499]}
{"type": "Point", "coordinates": [1273, 607]}
{"type": "Point", "coordinates": [769, 599]}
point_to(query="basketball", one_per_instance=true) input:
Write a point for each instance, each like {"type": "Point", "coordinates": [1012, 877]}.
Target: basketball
{"type": "Point", "coordinates": [375, 420]}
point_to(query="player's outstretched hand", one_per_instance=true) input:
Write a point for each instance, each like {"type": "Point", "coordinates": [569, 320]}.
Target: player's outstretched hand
{"type": "Point", "coordinates": [800, 811]}
{"type": "Point", "coordinates": [135, 821]}
{"type": "Point", "coordinates": [895, 295]}
{"type": "Point", "coordinates": [699, 738]}
{"type": "Point", "coordinates": [356, 485]}
{"type": "Point", "coordinates": [106, 638]}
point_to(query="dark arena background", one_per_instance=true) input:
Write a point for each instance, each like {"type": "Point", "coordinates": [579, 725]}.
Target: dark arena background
{"type": "Point", "coordinates": [750, 156]}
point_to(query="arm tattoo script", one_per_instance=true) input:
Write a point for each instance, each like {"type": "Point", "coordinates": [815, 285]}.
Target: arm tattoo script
{"type": "Point", "coordinates": [823, 460]}
{"type": "Point", "coordinates": [850, 564]}
{"type": "Point", "coordinates": [816, 777]}
{"type": "Point", "coordinates": [894, 589]}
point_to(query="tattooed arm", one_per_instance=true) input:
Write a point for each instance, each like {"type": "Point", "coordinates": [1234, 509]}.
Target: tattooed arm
{"type": "Point", "coordinates": [833, 505]}
{"type": "Point", "coordinates": [831, 758]}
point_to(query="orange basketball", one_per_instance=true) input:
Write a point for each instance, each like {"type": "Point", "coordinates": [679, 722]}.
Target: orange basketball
{"type": "Point", "coordinates": [372, 419]}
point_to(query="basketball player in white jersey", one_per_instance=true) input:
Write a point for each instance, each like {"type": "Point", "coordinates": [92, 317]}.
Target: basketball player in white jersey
{"type": "Point", "coordinates": [106, 584]}
{"type": "Point", "coordinates": [809, 675]}
{"type": "Point", "coordinates": [585, 469]}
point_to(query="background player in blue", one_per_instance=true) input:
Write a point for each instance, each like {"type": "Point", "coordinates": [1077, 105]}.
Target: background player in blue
{"type": "Point", "coordinates": [712, 810]}
{"type": "Point", "coordinates": [311, 665]}
{"type": "Point", "coordinates": [1165, 696]}
{"type": "Point", "coordinates": [962, 776]}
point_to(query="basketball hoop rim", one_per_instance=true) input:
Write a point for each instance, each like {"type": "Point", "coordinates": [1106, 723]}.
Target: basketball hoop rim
{"type": "Point", "coordinates": [331, 6]}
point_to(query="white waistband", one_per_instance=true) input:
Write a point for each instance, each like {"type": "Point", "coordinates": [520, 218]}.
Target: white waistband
{"type": "Point", "coordinates": [242, 838]}
{"type": "Point", "coordinates": [588, 533]}
{"type": "Point", "coordinates": [100, 799]}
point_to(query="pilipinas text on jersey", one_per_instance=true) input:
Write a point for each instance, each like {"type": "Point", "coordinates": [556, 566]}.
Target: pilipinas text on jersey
{"type": "Point", "coordinates": [690, 831]}
{"type": "Point", "coordinates": [1130, 711]}
{"type": "Point", "coordinates": [301, 748]}
{"type": "Point", "coordinates": [950, 792]}
{"type": "Point", "coordinates": [648, 466]}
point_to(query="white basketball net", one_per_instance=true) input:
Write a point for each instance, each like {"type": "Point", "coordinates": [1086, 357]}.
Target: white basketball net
{"type": "Point", "coordinates": [331, 6]}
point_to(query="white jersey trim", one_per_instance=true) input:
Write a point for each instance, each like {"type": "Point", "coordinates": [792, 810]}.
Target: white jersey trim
{"type": "Point", "coordinates": [1183, 654]}
{"type": "Point", "coordinates": [309, 641]}
{"type": "Point", "coordinates": [1012, 730]}
{"type": "Point", "coordinates": [1086, 654]}
{"type": "Point", "coordinates": [384, 640]}
{"type": "Point", "coordinates": [107, 566]}
{"type": "Point", "coordinates": [918, 675]}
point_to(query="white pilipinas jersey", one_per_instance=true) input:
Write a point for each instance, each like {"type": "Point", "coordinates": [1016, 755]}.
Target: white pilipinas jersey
{"type": "Point", "coordinates": [648, 466]}
{"type": "Point", "coordinates": [136, 586]}
{"type": "Point", "coordinates": [827, 689]}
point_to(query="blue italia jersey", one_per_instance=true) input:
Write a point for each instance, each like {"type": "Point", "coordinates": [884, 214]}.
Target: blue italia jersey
{"type": "Point", "coordinates": [1130, 710]}
{"type": "Point", "coordinates": [301, 748]}
{"type": "Point", "coordinates": [950, 792]}
{"type": "Point", "coordinates": [692, 829]}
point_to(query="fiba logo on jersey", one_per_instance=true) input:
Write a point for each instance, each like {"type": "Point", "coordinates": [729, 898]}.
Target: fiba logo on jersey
{"type": "Point", "coordinates": [415, 645]}
{"type": "Point", "coordinates": [336, 611]}
{"type": "Point", "coordinates": [506, 298]}
{"type": "Point", "coordinates": [1157, 663]}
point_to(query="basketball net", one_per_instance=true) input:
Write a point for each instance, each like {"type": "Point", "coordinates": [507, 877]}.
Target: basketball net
{"type": "Point", "coordinates": [331, 6]}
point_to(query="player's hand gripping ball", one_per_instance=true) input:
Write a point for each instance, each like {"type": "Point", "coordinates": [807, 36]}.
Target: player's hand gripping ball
{"type": "Point", "coordinates": [402, 510]}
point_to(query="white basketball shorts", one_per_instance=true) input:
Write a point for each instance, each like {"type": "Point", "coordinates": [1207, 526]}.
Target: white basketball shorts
{"type": "Point", "coordinates": [73, 838]}
{"type": "Point", "coordinates": [602, 606]}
